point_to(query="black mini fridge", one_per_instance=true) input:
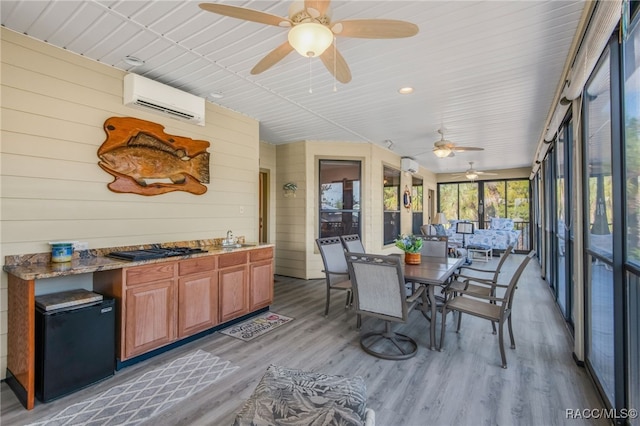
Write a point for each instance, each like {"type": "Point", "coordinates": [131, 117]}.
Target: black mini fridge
{"type": "Point", "coordinates": [75, 347]}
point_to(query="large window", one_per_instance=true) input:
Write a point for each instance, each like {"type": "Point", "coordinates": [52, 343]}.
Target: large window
{"type": "Point", "coordinates": [632, 208]}
{"type": "Point", "coordinates": [599, 196]}
{"type": "Point", "coordinates": [508, 198]}
{"type": "Point", "coordinates": [478, 202]}
{"type": "Point", "coordinates": [459, 201]}
{"type": "Point", "coordinates": [563, 242]}
{"type": "Point", "coordinates": [391, 201]}
{"type": "Point", "coordinates": [417, 204]}
{"type": "Point", "coordinates": [632, 143]}
{"type": "Point", "coordinates": [339, 197]}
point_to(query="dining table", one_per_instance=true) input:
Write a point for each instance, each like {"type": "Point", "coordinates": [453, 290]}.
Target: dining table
{"type": "Point", "coordinates": [432, 272]}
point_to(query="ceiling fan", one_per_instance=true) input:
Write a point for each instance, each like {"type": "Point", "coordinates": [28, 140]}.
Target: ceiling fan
{"type": "Point", "coordinates": [444, 148]}
{"type": "Point", "coordinates": [311, 32]}
{"type": "Point", "coordinates": [473, 174]}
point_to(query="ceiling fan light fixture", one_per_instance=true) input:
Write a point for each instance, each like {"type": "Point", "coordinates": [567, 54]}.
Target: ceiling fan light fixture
{"type": "Point", "coordinates": [471, 175]}
{"type": "Point", "coordinates": [310, 39]}
{"type": "Point", "coordinates": [442, 152]}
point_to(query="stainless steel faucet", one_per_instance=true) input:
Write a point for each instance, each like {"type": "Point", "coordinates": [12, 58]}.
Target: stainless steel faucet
{"type": "Point", "coordinates": [229, 235]}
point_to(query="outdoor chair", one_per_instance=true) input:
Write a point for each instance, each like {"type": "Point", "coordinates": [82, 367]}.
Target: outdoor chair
{"type": "Point", "coordinates": [485, 283]}
{"type": "Point", "coordinates": [434, 246]}
{"type": "Point", "coordinates": [497, 309]}
{"type": "Point", "coordinates": [379, 291]}
{"type": "Point", "coordinates": [335, 268]}
{"type": "Point", "coordinates": [352, 243]}
{"type": "Point", "coordinates": [487, 277]}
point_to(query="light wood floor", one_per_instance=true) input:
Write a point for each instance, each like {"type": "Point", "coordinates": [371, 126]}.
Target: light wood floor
{"type": "Point", "coordinates": [463, 385]}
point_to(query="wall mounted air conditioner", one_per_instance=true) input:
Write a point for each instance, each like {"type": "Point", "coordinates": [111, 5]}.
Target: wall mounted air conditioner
{"type": "Point", "coordinates": [408, 165]}
{"type": "Point", "coordinates": [152, 96]}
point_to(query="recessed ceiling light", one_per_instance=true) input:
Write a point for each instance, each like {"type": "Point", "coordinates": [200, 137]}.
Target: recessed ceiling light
{"type": "Point", "coordinates": [217, 95]}
{"type": "Point", "coordinates": [133, 61]}
{"type": "Point", "coordinates": [405, 90]}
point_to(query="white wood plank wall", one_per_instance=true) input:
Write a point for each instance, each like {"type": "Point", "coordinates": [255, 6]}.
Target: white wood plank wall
{"type": "Point", "coordinates": [297, 218]}
{"type": "Point", "coordinates": [54, 105]}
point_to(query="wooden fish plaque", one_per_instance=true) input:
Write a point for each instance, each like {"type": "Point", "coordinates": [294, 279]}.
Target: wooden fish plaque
{"type": "Point", "coordinates": [145, 160]}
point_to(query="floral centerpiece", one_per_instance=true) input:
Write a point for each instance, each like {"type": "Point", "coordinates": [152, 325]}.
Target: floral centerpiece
{"type": "Point", "coordinates": [411, 245]}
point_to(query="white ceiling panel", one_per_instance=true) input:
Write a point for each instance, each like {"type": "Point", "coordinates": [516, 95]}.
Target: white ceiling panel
{"type": "Point", "coordinates": [486, 71]}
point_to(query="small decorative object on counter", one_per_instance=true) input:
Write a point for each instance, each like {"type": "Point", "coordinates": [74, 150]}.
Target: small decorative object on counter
{"type": "Point", "coordinates": [61, 251]}
{"type": "Point", "coordinates": [411, 245]}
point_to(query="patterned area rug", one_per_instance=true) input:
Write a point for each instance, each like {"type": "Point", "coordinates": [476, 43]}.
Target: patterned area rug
{"type": "Point", "coordinates": [256, 326]}
{"type": "Point", "coordinates": [143, 397]}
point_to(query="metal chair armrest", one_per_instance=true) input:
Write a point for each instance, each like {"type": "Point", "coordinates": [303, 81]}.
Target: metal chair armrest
{"type": "Point", "coordinates": [476, 279]}
{"type": "Point", "coordinates": [479, 296]}
{"type": "Point", "coordinates": [415, 295]}
{"type": "Point", "coordinates": [334, 273]}
{"type": "Point", "coordinates": [477, 269]}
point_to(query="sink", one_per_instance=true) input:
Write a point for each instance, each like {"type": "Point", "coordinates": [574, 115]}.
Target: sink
{"type": "Point", "coordinates": [238, 245]}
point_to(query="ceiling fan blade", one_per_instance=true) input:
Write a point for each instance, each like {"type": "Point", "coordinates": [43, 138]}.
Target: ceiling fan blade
{"type": "Point", "coordinates": [342, 72]}
{"type": "Point", "coordinates": [272, 58]}
{"type": "Point", "coordinates": [246, 14]}
{"type": "Point", "coordinates": [487, 173]}
{"type": "Point", "coordinates": [466, 148]}
{"type": "Point", "coordinates": [319, 5]}
{"type": "Point", "coordinates": [375, 28]}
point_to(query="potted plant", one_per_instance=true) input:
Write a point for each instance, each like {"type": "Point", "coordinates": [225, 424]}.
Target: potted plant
{"type": "Point", "coordinates": [411, 245]}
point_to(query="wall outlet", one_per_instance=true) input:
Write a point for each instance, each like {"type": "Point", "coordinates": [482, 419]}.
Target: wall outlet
{"type": "Point", "coordinates": [79, 245]}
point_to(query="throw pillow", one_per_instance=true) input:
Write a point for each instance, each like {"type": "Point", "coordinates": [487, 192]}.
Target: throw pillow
{"type": "Point", "coordinates": [440, 229]}
{"type": "Point", "coordinates": [501, 224]}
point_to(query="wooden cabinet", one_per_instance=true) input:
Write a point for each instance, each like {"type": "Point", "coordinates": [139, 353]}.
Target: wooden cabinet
{"type": "Point", "coordinates": [233, 279]}
{"type": "Point", "coordinates": [149, 308]}
{"type": "Point", "coordinates": [261, 278]}
{"type": "Point", "coordinates": [197, 296]}
{"type": "Point", "coordinates": [162, 302]}
{"type": "Point", "coordinates": [150, 317]}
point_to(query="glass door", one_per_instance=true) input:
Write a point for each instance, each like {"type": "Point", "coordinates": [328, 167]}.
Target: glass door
{"type": "Point", "coordinates": [599, 229]}
{"type": "Point", "coordinates": [563, 248]}
{"type": "Point", "coordinates": [632, 209]}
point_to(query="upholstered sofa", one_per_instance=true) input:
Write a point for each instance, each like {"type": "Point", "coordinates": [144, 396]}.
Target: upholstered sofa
{"type": "Point", "coordinates": [499, 236]}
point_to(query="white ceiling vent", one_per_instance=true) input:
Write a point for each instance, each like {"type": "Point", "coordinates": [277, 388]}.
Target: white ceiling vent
{"type": "Point", "coordinates": [408, 165]}
{"type": "Point", "coordinates": [152, 96]}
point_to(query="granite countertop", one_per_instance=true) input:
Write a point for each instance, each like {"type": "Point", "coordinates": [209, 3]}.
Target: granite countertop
{"type": "Point", "coordinates": [89, 263]}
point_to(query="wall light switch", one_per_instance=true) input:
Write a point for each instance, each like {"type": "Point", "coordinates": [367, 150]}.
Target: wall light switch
{"type": "Point", "coordinates": [241, 209]}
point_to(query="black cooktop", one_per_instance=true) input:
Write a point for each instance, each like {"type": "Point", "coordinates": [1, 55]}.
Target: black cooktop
{"type": "Point", "coordinates": [154, 253]}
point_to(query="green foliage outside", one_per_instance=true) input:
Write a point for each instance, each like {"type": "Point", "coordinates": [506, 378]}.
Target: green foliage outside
{"type": "Point", "coordinates": [391, 198]}
{"type": "Point", "coordinates": [504, 199]}
{"type": "Point", "coordinates": [632, 154]}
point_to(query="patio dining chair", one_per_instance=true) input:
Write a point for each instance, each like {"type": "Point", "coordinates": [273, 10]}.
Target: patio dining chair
{"type": "Point", "coordinates": [434, 246]}
{"type": "Point", "coordinates": [379, 291]}
{"type": "Point", "coordinates": [497, 309]}
{"type": "Point", "coordinates": [352, 243]}
{"type": "Point", "coordinates": [487, 277]}
{"type": "Point", "coordinates": [485, 280]}
{"type": "Point", "coordinates": [335, 268]}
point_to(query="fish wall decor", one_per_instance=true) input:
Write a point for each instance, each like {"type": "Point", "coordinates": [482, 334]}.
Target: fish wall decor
{"type": "Point", "coordinates": [145, 160]}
